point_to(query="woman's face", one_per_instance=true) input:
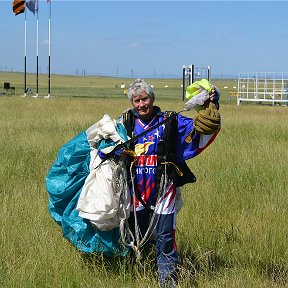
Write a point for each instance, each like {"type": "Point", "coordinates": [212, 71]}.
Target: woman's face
{"type": "Point", "coordinates": [143, 104]}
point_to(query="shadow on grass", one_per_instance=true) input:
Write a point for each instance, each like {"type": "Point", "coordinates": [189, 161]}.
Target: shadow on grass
{"type": "Point", "coordinates": [127, 267]}
{"type": "Point", "coordinates": [276, 272]}
{"type": "Point", "coordinates": [209, 262]}
{"type": "Point", "coordinates": [193, 263]}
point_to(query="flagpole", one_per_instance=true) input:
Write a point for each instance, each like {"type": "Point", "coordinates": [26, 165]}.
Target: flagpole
{"type": "Point", "coordinates": [25, 55]}
{"type": "Point", "coordinates": [49, 49]}
{"type": "Point", "coordinates": [37, 51]}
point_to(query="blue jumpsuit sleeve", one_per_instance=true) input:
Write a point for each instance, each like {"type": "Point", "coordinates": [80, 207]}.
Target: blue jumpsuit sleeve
{"type": "Point", "coordinates": [190, 144]}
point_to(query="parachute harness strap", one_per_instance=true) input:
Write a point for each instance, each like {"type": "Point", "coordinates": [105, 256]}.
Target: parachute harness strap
{"type": "Point", "coordinates": [131, 153]}
{"type": "Point", "coordinates": [179, 172]}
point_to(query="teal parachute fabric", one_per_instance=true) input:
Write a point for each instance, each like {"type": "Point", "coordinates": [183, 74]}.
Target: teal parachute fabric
{"type": "Point", "coordinates": [64, 183]}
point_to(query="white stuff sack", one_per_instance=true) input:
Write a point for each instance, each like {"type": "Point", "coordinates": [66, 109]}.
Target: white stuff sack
{"type": "Point", "coordinates": [105, 197]}
{"type": "Point", "coordinates": [197, 101]}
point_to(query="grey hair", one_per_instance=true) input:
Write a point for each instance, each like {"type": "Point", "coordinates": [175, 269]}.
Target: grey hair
{"type": "Point", "coordinates": [137, 87]}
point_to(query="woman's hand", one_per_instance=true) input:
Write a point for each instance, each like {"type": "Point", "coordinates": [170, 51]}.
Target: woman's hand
{"type": "Point", "coordinates": [212, 94]}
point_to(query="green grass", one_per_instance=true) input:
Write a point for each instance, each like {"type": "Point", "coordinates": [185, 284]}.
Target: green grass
{"type": "Point", "coordinates": [232, 230]}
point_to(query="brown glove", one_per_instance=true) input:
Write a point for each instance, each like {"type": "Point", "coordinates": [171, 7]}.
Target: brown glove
{"type": "Point", "coordinates": [208, 119]}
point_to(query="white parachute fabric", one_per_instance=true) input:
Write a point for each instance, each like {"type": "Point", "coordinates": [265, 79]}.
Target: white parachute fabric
{"type": "Point", "coordinates": [103, 129]}
{"type": "Point", "coordinates": [198, 93]}
{"type": "Point", "coordinates": [105, 197]}
{"type": "Point", "coordinates": [197, 101]}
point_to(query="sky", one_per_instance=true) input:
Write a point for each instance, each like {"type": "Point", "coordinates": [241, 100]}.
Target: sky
{"type": "Point", "coordinates": [147, 38]}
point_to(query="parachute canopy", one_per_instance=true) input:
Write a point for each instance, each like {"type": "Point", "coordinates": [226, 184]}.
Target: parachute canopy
{"type": "Point", "coordinates": [64, 183]}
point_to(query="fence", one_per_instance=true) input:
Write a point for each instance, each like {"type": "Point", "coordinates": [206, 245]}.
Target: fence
{"type": "Point", "coordinates": [271, 87]}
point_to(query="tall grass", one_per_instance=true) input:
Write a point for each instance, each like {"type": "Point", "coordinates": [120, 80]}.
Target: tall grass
{"type": "Point", "coordinates": [232, 230]}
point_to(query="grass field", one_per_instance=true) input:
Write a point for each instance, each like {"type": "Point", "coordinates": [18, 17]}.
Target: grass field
{"type": "Point", "coordinates": [104, 87]}
{"type": "Point", "coordinates": [231, 232]}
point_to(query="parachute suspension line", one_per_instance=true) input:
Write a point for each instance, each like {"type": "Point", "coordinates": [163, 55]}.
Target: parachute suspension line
{"type": "Point", "coordinates": [136, 247]}
{"type": "Point", "coordinates": [153, 224]}
{"type": "Point", "coordinates": [124, 224]}
{"type": "Point", "coordinates": [141, 240]}
{"type": "Point", "coordinates": [119, 183]}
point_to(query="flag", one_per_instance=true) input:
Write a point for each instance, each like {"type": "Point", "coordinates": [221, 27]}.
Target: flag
{"type": "Point", "coordinates": [32, 5]}
{"type": "Point", "coordinates": [18, 7]}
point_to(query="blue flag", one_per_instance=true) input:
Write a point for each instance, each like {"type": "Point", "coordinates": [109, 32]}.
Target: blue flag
{"type": "Point", "coordinates": [31, 5]}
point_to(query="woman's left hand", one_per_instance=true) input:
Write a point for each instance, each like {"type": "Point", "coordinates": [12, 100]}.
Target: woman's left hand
{"type": "Point", "coordinates": [212, 94]}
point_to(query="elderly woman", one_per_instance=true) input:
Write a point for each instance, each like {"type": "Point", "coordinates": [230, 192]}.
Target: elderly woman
{"type": "Point", "coordinates": [161, 155]}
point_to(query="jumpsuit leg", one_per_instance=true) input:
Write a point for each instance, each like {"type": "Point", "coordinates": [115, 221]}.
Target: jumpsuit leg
{"type": "Point", "coordinates": [166, 250]}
